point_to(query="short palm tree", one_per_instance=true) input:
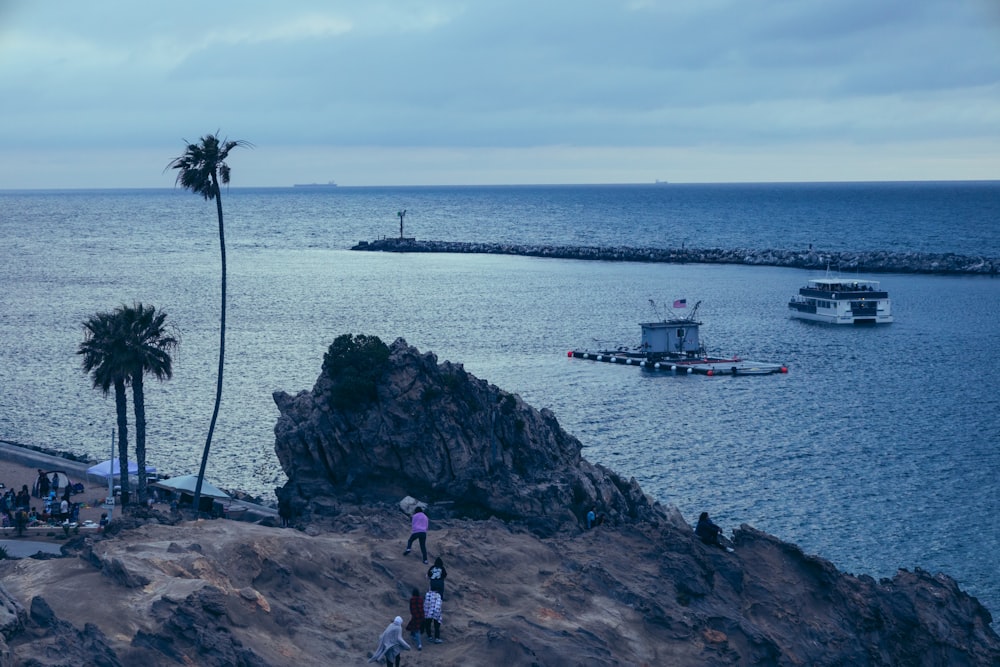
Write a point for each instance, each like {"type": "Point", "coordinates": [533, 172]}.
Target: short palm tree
{"type": "Point", "coordinates": [148, 343]}
{"type": "Point", "coordinates": [103, 350]}
{"type": "Point", "coordinates": [201, 169]}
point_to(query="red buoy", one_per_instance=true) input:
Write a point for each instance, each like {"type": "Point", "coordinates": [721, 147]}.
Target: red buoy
{"type": "Point", "coordinates": [784, 369]}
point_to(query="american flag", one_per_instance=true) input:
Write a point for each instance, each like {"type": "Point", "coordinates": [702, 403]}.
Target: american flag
{"type": "Point", "coordinates": [681, 303]}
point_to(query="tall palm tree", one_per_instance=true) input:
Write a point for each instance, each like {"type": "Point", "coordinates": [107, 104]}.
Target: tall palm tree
{"type": "Point", "coordinates": [103, 350]}
{"type": "Point", "coordinates": [148, 343]}
{"type": "Point", "coordinates": [201, 169]}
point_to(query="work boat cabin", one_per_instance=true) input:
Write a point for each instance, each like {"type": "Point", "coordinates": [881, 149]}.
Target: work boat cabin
{"type": "Point", "coordinates": [842, 301]}
{"type": "Point", "coordinates": [671, 339]}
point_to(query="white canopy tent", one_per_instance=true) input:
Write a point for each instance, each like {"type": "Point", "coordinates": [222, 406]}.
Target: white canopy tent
{"type": "Point", "coordinates": [187, 483]}
{"type": "Point", "coordinates": [111, 468]}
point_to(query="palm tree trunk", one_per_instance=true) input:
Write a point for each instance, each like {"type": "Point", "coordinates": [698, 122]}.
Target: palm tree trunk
{"type": "Point", "coordinates": [222, 350]}
{"type": "Point", "coordinates": [139, 406]}
{"type": "Point", "coordinates": [121, 408]}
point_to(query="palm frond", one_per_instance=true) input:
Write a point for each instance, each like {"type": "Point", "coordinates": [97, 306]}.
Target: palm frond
{"type": "Point", "coordinates": [203, 165]}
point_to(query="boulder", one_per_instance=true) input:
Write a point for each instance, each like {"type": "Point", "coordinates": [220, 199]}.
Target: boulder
{"type": "Point", "coordinates": [386, 422]}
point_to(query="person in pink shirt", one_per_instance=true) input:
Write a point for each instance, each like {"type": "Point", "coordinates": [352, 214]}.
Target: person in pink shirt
{"type": "Point", "coordinates": [418, 531]}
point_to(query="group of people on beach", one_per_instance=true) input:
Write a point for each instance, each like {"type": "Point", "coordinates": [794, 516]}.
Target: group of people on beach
{"type": "Point", "coordinates": [17, 511]}
{"type": "Point", "coordinates": [425, 610]}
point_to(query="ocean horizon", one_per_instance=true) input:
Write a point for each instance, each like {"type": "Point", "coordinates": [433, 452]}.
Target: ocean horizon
{"type": "Point", "coordinates": [640, 184]}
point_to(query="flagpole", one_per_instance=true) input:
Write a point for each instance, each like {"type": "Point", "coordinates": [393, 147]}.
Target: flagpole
{"type": "Point", "coordinates": [109, 503]}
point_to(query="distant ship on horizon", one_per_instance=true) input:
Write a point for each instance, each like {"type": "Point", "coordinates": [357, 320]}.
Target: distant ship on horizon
{"type": "Point", "coordinates": [328, 184]}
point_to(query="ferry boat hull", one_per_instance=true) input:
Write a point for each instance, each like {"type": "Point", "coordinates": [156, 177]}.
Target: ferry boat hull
{"type": "Point", "coordinates": [842, 301]}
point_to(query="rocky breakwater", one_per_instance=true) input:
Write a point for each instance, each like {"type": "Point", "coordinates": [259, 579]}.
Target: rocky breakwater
{"type": "Point", "coordinates": [868, 262]}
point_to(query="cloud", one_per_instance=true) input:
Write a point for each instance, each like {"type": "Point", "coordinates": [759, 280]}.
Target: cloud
{"type": "Point", "coordinates": [450, 74]}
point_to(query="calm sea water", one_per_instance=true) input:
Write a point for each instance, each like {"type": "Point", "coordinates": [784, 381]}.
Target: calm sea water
{"type": "Point", "coordinates": [878, 450]}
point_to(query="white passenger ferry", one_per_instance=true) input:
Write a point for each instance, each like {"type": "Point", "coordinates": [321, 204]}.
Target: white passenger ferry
{"type": "Point", "coordinates": [842, 301]}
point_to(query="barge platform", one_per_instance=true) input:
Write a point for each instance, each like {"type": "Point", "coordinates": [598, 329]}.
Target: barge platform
{"type": "Point", "coordinates": [673, 345]}
{"type": "Point", "coordinates": [684, 366]}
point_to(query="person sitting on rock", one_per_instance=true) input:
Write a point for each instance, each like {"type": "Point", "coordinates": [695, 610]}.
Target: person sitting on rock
{"type": "Point", "coordinates": [709, 533]}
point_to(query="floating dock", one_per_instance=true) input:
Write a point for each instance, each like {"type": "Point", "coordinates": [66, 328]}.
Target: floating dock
{"type": "Point", "coordinates": [705, 366]}
{"type": "Point", "coordinates": [672, 345]}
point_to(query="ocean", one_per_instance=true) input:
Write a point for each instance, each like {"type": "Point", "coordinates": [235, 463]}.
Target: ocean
{"type": "Point", "coordinates": [877, 451]}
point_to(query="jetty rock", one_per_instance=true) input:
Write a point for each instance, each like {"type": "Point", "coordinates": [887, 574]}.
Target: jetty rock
{"type": "Point", "coordinates": [402, 424]}
{"type": "Point", "coordinates": [873, 261]}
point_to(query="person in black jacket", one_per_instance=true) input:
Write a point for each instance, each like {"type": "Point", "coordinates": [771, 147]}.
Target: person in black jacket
{"type": "Point", "coordinates": [709, 533]}
{"type": "Point", "coordinates": [437, 574]}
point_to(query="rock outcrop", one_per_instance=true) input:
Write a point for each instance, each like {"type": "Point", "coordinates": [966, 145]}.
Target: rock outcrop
{"type": "Point", "coordinates": [226, 593]}
{"type": "Point", "coordinates": [433, 431]}
{"type": "Point", "coordinates": [639, 589]}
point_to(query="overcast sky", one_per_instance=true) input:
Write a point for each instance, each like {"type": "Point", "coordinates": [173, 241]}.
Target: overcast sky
{"type": "Point", "coordinates": [414, 92]}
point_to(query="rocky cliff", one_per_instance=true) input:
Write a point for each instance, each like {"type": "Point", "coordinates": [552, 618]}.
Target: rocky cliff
{"type": "Point", "coordinates": [523, 587]}
{"type": "Point", "coordinates": [437, 433]}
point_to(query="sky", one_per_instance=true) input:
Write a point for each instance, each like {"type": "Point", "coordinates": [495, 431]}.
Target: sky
{"type": "Point", "coordinates": [473, 92]}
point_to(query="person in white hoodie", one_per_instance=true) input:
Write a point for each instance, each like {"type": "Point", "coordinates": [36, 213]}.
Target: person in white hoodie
{"type": "Point", "coordinates": [391, 644]}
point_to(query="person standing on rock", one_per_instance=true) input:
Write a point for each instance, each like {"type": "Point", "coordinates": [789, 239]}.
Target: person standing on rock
{"type": "Point", "coordinates": [437, 574]}
{"type": "Point", "coordinates": [418, 531]}
{"type": "Point", "coordinates": [284, 510]}
{"type": "Point", "coordinates": [390, 644]}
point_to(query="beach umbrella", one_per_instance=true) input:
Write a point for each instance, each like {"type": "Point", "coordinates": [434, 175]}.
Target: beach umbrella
{"type": "Point", "coordinates": [111, 468]}
{"type": "Point", "coordinates": [186, 483]}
